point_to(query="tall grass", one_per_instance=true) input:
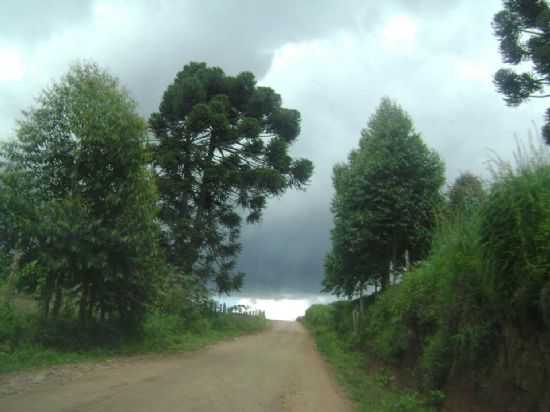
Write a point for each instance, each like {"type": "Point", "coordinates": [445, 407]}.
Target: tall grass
{"type": "Point", "coordinates": [373, 391]}
{"type": "Point", "coordinates": [515, 234]}
{"type": "Point", "coordinates": [439, 311]}
{"type": "Point", "coordinates": [26, 341]}
{"type": "Point", "coordinates": [484, 288]}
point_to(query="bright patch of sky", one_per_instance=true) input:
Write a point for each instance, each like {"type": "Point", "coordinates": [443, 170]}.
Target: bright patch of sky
{"type": "Point", "coordinates": [286, 308]}
{"type": "Point", "coordinates": [399, 34]}
{"type": "Point", "coordinates": [12, 67]}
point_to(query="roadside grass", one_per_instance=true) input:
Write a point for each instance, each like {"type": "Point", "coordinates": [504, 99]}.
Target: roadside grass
{"type": "Point", "coordinates": [162, 333]}
{"type": "Point", "coordinates": [372, 391]}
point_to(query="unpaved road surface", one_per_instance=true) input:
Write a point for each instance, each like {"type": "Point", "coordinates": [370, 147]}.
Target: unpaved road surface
{"type": "Point", "coordinates": [276, 370]}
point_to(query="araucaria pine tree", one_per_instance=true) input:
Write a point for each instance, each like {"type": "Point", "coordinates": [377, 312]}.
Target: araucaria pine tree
{"type": "Point", "coordinates": [221, 151]}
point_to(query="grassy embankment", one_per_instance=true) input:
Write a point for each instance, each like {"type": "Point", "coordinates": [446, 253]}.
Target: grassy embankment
{"type": "Point", "coordinates": [469, 324]}
{"type": "Point", "coordinates": [28, 342]}
{"type": "Point", "coordinates": [372, 387]}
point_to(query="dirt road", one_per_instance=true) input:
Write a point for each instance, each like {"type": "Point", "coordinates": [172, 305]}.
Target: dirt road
{"type": "Point", "coordinates": [277, 370]}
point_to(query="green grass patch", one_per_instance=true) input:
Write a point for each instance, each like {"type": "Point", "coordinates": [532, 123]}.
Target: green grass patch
{"type": "Point", "coordinates": [162, 333]}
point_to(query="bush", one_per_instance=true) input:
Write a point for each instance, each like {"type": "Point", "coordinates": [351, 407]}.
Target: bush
{"type": "Point", "coordinates": [320, 316]}
{"type": "Point", "coordinates": [342, 317]}
{"type": "Point", "coordinates": [15, 328]}
{"type": "Point", "coordinates": [515, 232]}
{"type": "Point", "coordinates": [436, 359]}
{"type": "Point", "coordinates": [384, 331]}
{"type": "Point", "coordinates": [439, 313]}
{"type": "Point", "coordinates": [5, 263]}
{"type": "Point", "coordinates": [68, 333]}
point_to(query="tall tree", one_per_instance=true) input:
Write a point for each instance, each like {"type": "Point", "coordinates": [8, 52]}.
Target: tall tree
{"type": "Point", "coordinates": [385, 202]}
{"type": "Point", "coordinates": [90, 235]}
{"type": "Point", "coordinates": [523, 30]}
{"type": "Point", "coordinates": [466, 193]}
{"type": "Point", "coordinates": [221, 150]}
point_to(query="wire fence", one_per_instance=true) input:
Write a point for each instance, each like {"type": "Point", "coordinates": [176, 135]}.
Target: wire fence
{"type": "Point", "coordinates": [239, 310]}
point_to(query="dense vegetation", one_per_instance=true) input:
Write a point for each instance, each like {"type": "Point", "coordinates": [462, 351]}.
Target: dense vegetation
{"type": "Point", "coordinates": [471, 316]}
{"type": "Point", "coordinates": [384, 203]}
{"type": "Point", "coordinates": [113, 233]}
{"type": "Point", "coordinates": [371, 385]}
{"type": "Point", "coordinates": [476, 309]}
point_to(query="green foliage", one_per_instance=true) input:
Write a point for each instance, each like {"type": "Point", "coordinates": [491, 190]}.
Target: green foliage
{"type": "Point", "coordinates": [439, 314]}
{"type": "Point", "coordinates": [221, 147]}
{"type": "Point", "coordinates": [372, 390]}
{"type": "Point", "coordinates": [466, 194]}
{"type": "Point", "coordinates": [27, 341]}
{"type": "Point", "coordinates": [385, 203]}
{"type": "Point", "coordinates": [523, 30]}
{"type": "Point", "coordinates": [183, 295]}
{"type": "Point", "coordinates": [436, 359]}
{"type": "Point", "coordinates": [515, 233]}
{"type": "Point", "coordinates": [487, 271]}
{"type": "Point", "coordinates": [5, 263]}
{"type": "Point", "coordinates": [383, 330]}
{"type": "Point", "coordinates": [14, 327]}
{"type": "Point", "coordinates": [440, 310]}
{"type": "Point", "coordinates": [86, 235]}
{"type": "Point", "coordinates": [320, 316]}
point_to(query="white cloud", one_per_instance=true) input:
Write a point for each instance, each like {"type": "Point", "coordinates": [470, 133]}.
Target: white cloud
{"type": "Point", "coordinates": [12, 67]}
{"type": "Point", "coordinates": [399, 34]}
{"type": "Point", "coordinates": [475, 70]}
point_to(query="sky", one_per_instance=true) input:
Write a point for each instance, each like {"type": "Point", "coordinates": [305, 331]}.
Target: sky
{"type": "Point", "coordinates": [333, 60]}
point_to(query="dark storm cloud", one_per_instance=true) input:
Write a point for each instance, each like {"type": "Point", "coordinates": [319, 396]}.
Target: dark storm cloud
{"type": "Point", "coordinates": [236, 35]}
{"type": "Point", "coordinates": [332, 60]}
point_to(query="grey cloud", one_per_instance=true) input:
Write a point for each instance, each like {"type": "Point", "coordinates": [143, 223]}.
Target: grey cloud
{"type": "Point", "coordinates": [336, 80]}
{"type": "Point", "coordinates": [29, 22]}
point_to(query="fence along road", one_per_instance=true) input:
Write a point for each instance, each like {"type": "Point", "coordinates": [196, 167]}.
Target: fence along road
{"type": "Point", "coordinates": [276, 370]}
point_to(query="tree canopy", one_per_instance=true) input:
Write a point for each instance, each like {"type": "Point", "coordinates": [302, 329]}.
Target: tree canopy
{"type": "Point", "coordinates": [221, 150]}
{"type": "Point", "coordinates": [523, 30]}
{"type": "Point", "coordinates": [466, 193]}
{"type": "Point", "coordinates": [87, 233]}
{"type": "Point", "coordinates": [385, 201]}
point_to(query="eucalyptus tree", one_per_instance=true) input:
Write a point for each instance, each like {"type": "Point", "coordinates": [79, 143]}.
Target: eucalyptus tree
{"type": "Point", "coordinates": [90, 236]}
{"type": "Point", "coordinates": [385, 203]}
{"type": "Point", "coordinates": [222, 149]}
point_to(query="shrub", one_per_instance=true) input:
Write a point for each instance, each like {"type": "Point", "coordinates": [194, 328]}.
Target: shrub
{"type": "Point", "coordinates": [320, 316]}
{"type": "Point", "coordinates": [439, 312]}
{"type": "Point", "coordinates": [515, 232]}
{"type": "Point", "coordinates": [384, 331]}
{"type": "Point", "coordinates": [68, 333]}
{"type": "Point", "coordinates": [436, 359]}
{"type": "Point", "coordinates": [342, 317]}
{"type": "Point", "coordinates": [14, 327]}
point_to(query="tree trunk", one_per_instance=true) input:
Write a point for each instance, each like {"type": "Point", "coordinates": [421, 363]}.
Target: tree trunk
{"type": "Point", "coordinates": [83, 303]}
{"type": "Point", "coordinates": [203, 206]}
{"type": "Point", "coordinates": [46, 299]}
{"type": "Point", "coordinates": [58, 300]}
{"type": "Point", "coordinates": [46, 305]}
{"type": "Point", "coordinates": [91, 303]}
